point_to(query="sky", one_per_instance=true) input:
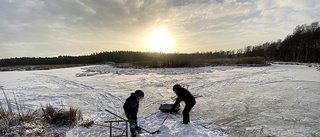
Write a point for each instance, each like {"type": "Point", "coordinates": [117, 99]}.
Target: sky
{"type": "Point", "coordinates": [51, 28]}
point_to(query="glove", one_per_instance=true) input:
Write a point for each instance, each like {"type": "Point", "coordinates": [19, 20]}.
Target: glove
{"type": "Point", "coordinates": [130, 119]}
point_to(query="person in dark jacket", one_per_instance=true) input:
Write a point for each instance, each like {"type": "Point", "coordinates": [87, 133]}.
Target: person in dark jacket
{"type": "Point", "coordinates": [184, 95]}
{"type": "Point", "coordinates": [131, 107]}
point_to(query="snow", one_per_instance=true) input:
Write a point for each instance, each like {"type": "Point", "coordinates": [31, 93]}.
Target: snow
{"type": "Point", "coordinates": [276, 100]}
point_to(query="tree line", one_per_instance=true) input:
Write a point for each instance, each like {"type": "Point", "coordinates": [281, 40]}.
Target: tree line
{"type": "Point", "coordinates": [301, 46]}
{"type": "Point", "coordinates": [112, 56]}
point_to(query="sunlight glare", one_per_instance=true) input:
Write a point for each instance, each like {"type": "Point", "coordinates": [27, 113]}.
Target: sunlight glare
{"type": "Point", "coordinates": [159, 41]}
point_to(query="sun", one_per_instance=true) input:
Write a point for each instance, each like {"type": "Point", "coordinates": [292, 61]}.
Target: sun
{"type": "Point", "coordinates": [159, 41]}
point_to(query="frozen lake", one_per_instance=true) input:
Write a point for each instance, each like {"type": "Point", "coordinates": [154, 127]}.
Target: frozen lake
{"type": "Point", "coordinates": [279, 100]}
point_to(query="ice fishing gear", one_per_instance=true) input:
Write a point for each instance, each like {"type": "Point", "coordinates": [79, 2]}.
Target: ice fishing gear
{"type": "Point", "coordinates": [165, 118]}
{"type": "Point", "coordinates": [167, 108]}
{"type": "Point", "coordinates": [131, 123]}
{"type": "Point", "coordinates": [91, 123]}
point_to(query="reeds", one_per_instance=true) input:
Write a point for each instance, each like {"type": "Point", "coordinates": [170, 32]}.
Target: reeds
{"type": "Point", "coordinates": [61, 117]}
{"type": "Point", "coordinates": [20, 121]}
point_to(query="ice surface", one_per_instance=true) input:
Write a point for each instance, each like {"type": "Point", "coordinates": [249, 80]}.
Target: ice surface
{"type": "Point", "coordinates": [279, 100]}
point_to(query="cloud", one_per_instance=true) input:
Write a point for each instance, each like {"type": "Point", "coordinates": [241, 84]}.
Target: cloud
{"type": "Point", "coordinates": [125, 24]}
{"type": "Point", "coordinates": [298, 4]}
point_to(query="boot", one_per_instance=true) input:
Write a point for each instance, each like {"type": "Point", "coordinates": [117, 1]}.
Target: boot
{"type": "Point", "coordinates": [138, 129]}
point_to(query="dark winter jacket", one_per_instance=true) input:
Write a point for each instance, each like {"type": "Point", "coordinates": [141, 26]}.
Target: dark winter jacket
{"type": "Point", "coordinates": [131, 105]}
{"type": "Point", "coordinates": [186, 96]}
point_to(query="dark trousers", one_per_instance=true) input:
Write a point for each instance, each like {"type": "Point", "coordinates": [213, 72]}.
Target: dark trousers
{"type": "Point", "coordinates": [133, 122]}
{"type": "Point", "coordinates": [132, 119]}
{"type": "Point", "coordinates": [185, 113]}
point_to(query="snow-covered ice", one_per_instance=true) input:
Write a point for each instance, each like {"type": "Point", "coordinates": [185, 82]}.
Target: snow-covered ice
{"type": "Point", "coordinates": [279, 100]}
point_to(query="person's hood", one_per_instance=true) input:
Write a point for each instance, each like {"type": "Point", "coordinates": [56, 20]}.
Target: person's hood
{"type": "Point", "coordinates": [133, 96]}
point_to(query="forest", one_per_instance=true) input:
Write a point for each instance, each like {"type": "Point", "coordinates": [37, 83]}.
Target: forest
{"type": "Point", "coordinates": [301, 46]}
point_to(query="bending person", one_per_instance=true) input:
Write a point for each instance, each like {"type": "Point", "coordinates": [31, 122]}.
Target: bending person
{"type": "Point", "coordinates": [184, 95]}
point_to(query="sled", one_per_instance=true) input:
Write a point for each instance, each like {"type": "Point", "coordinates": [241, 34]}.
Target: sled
{"type": "Point", "coordinates": [167, 108]}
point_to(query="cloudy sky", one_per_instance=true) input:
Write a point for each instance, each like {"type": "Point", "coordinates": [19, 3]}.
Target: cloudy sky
{"type": "Point", "coordinates": [50, 28]}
